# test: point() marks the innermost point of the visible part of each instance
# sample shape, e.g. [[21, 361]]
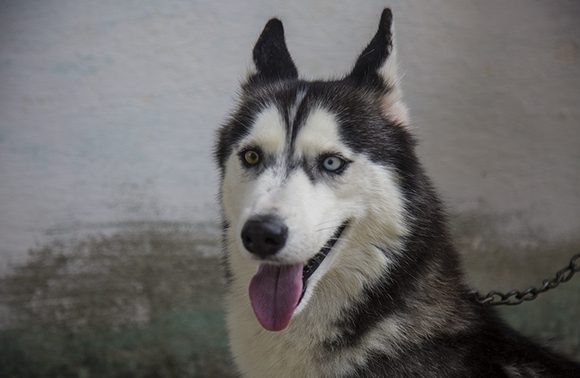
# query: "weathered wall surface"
[[108, 109]]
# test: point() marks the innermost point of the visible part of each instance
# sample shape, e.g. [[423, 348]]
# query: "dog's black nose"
[[264, 235]]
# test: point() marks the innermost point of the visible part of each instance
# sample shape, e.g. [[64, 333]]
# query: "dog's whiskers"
[[339, 220], [327, 228]]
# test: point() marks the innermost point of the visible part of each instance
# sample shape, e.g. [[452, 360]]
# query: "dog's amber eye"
[[252, 157]]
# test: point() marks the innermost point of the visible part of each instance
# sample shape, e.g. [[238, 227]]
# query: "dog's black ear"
[[376, 65], [376, 68], [271, 56]]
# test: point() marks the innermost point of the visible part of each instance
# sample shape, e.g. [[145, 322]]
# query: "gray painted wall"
[[108, 108]]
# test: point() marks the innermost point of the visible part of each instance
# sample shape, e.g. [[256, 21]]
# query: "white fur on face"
[[319, 135], [366, 194], [268, 132], [308, 209]]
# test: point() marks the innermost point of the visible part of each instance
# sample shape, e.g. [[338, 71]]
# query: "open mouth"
[[276, 290], [315, 262]]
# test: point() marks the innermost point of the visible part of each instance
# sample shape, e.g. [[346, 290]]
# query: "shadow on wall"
[[147, 302]]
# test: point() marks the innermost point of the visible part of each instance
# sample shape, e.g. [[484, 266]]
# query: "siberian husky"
[[338, 258]]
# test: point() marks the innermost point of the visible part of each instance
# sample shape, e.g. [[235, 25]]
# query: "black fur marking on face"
[[357, 111], [313, 168], [302, 112], [236, 128], [315, 261]]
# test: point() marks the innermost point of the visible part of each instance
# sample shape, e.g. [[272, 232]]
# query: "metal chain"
[[515, 297]]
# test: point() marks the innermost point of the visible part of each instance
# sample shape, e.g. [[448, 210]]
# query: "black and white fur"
[[389, 300]]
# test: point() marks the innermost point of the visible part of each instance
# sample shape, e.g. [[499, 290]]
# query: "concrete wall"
[[108, 108]]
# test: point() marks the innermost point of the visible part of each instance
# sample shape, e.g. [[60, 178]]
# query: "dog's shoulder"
[[488, 349]]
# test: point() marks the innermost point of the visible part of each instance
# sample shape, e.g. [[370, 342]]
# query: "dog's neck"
[[398, 302]]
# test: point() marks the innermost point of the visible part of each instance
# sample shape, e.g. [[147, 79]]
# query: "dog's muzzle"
[[276, 290]]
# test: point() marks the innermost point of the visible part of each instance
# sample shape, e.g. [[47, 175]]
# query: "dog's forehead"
[[296, 122], [273, 132], [319, 133], [300, 120], [269, 131]]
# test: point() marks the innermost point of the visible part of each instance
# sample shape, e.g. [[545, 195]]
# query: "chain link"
[[515, 297]]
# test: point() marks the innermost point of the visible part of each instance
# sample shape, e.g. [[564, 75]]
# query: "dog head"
[[313, 175]]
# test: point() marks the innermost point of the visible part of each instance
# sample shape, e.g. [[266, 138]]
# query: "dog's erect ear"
[[376, 67], [271, 56]]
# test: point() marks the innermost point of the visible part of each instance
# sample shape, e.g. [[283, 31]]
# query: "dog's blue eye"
[[333, 163]]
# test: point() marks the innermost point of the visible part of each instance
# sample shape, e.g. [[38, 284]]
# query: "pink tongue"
[[274, 293]]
